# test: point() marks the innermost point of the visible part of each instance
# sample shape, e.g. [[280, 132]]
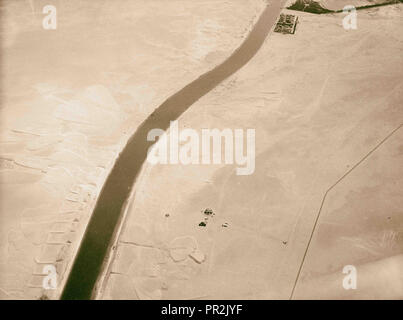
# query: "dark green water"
[[106, 216]]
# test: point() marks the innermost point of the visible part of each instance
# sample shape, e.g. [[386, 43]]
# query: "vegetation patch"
[[309, 6], [312, 6]]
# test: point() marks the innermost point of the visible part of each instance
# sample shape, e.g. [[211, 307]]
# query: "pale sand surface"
[[361, 224], [320, 101], [71, 97]]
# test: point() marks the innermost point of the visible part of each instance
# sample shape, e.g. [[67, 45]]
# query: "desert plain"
[[326, 193]]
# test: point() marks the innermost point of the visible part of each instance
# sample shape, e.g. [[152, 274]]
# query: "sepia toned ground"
[[326, 106], [326, 192], [71, 97]]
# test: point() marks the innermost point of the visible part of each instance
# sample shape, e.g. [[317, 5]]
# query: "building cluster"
[[287, 23]]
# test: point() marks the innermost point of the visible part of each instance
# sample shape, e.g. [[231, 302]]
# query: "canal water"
[[107, 213]]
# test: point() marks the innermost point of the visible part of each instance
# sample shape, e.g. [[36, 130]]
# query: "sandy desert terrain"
[[71, 97], [326, 192], [326, 106]]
